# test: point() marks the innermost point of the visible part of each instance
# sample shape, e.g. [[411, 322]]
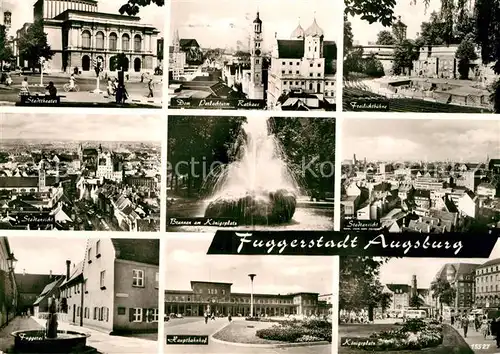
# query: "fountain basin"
[[254, 208], [35, 341]]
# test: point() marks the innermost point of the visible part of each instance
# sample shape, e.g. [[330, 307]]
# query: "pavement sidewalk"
[[477, 342], [107, 344]]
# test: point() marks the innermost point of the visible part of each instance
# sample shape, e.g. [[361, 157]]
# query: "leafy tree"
[[6, 53], [443, 292], [373, 67], [132, 7], [372, 10], [359, 285], [432, 32], [465, 53], [385, 301], [416, 301], [353, 61], [385, 38], [33, 44], [348, 35], [404, 55], [495, 96]]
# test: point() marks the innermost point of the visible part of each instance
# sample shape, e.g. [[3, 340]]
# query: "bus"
[[411, 314]]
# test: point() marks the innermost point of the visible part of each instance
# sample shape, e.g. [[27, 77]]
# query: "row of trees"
[[360, 287], [454, 24]]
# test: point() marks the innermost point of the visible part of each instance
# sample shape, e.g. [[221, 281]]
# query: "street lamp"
[[11, 262], [251, 294]]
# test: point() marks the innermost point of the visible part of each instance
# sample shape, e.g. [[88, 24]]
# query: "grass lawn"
[[453, 343], [244, 332]]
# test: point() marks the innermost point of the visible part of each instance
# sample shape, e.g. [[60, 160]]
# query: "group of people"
[[207, 315], [484, 325]]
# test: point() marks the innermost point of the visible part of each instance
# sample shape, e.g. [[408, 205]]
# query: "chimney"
[[50, 274], [68, 265]]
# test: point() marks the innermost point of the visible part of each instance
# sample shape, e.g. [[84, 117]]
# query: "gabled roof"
[[75, 273], [399, 288], [188, 42], [47, 290], [138, 250], [32, 283], [294, 49]]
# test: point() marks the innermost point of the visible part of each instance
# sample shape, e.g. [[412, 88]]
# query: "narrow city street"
[[197, 326]]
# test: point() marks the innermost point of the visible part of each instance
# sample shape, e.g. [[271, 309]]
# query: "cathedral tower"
[[256, 89]]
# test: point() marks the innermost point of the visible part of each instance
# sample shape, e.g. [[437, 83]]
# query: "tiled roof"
[[188, 42], [294, 49], [422, 193], [24, 182], [32, 283], [47, 290], [399, 288], [138, 250], [490, 263], [221, 90]]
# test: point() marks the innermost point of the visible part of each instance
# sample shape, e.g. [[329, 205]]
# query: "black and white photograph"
[[83, 53], [77, 295], [416, 175], [440, 305], [251, 173], [273, 55], [245, 304], [433, 56], [80, 172]]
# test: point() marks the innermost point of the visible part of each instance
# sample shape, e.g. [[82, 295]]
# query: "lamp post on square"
[[98, 64], [251, 293]]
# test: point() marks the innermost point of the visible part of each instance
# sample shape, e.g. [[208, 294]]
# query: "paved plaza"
[[137, 90], [197, 326]]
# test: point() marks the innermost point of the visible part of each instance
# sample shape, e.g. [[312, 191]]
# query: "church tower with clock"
[[256, 87]]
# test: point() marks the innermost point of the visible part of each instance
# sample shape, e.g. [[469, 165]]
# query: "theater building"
[[217, 298], [79, 34]]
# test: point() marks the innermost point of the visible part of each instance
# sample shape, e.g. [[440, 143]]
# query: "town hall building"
[[79, 35]]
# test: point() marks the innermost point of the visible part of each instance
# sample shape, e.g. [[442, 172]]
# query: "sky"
[[417, 140], [40, 255], [22, 12], [98, 127], [186, 260], [411, 14], [400, 270], [228, 20]]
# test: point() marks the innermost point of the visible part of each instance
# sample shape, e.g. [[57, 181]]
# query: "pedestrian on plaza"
[[213, 316], [465, 325], [452, 320], [485, 327], [229, 318], [124, 94], [206, 317], [142, 78], [8, 82], [25, 87], [52, 90], [150, 87], [110, 87]]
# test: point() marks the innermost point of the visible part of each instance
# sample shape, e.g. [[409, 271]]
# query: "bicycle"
[[75, 88]]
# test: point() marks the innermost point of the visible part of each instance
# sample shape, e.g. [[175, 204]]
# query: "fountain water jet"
[[49, 340], [257, 188]]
